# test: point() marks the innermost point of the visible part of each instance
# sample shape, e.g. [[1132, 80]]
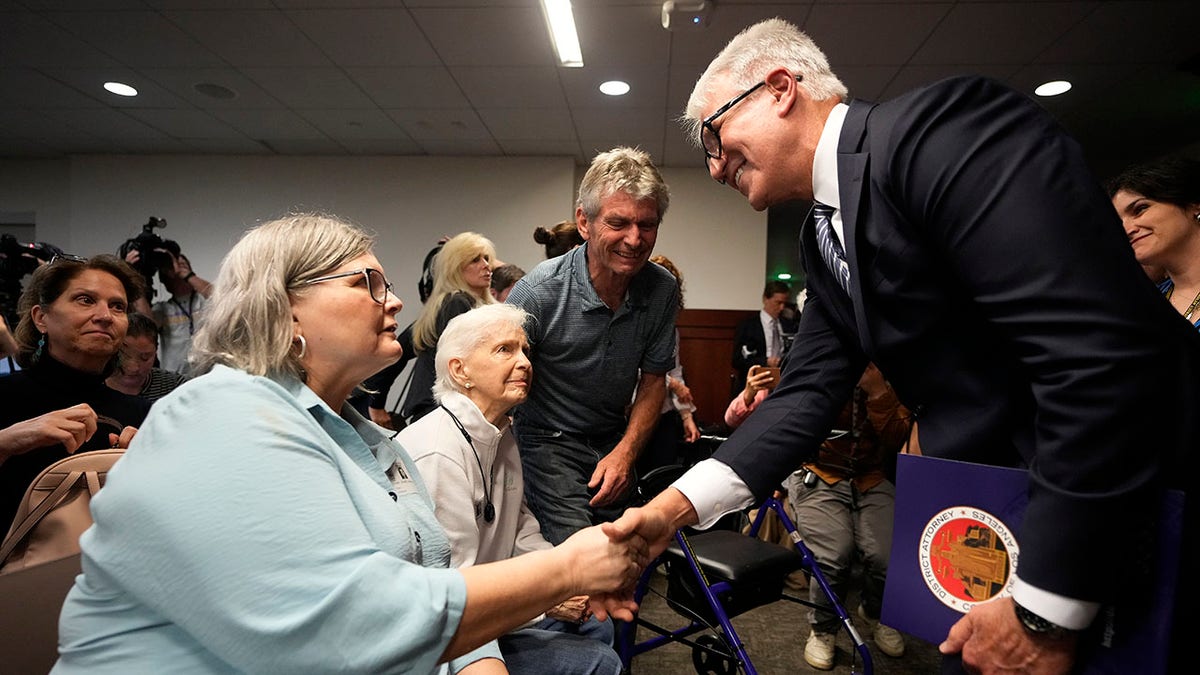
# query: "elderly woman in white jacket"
[[465, 451]]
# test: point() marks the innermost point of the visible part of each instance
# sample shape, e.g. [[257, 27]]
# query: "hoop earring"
[[37, 354], [303, 346], [1198, 216]]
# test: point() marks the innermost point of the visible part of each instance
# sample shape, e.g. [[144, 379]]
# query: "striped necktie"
[[831, 249]]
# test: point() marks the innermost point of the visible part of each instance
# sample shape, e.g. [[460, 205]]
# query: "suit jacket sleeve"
[[1027, 237], [789, 426]]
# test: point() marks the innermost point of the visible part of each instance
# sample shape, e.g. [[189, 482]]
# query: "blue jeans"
[[557, 468], [552, 647]]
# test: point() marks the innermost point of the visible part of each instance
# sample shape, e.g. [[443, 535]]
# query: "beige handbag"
[[56, 510]]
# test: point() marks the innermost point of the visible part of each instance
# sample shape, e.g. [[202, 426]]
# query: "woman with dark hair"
[[259, 524], [462, 280], [136, 373], [559, 239], [73, 321], [1159, 205]]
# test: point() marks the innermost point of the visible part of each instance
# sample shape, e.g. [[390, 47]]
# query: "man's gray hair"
[[622, 169], [247, 323], [753, 53], [467, 332]]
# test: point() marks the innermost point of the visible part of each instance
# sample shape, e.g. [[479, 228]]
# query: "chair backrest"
[[30, 601], [56, 510]]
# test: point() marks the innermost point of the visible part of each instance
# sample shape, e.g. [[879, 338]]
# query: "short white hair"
[[752, 54], [465, 333]]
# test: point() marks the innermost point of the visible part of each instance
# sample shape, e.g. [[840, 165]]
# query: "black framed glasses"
[[710, 140], [377, 284]]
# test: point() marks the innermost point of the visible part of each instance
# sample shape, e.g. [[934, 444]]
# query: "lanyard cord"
[[187, 312], [489, 509]]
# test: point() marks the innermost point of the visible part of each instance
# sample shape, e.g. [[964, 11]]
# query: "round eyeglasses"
[[377, 284]]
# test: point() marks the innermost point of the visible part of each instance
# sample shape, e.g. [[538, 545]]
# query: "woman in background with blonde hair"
[[462, 280]]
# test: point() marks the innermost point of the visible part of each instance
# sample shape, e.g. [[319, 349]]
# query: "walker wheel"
[[711, 656]]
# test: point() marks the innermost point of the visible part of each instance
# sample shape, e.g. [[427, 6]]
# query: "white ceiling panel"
[[310, 88], [511, 124], [459, 124], [269, 124], [251, 38], [185, 124], [488, 36], [480, 77], [182, 82], [360, 124], [367, 37], [431, 87], [138, 39], [512, 86]]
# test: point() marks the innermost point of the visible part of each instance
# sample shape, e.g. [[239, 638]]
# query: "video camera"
[[17, 260], [152, 251]]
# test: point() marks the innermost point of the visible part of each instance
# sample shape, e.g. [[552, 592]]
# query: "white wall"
[[91, 204]]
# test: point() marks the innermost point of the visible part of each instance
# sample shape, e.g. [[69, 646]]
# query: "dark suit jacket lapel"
[[852, 162]]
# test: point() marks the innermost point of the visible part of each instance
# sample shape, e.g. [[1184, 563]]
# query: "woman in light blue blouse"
[[259, 524]]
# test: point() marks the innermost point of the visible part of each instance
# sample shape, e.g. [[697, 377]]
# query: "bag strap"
[[60, 492]]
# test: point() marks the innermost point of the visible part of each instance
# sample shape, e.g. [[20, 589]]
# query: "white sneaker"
[[819, 650], [888, 639]]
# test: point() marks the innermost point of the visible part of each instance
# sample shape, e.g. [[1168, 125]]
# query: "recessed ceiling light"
[[615, 88], [561, 22], [120, 89], [1053, 88]]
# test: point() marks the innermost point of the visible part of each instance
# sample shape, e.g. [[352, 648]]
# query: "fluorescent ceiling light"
[[1053, 88], [614, 88], [561, 22], [120, 89]]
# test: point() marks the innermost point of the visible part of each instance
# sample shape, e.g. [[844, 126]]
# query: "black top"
[[46, 387], [419, 400], [380, 383]]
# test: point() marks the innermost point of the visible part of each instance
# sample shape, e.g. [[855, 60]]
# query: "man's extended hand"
[[992, 640], [613, 475]]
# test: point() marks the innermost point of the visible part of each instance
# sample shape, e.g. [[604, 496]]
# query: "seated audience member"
[[135, 373], [462, 280], [465, 452], [843, 505], [1159, 204], [760, 380], [504, 278], [305, 540], [759, 340], [559, 239], [73, 319], [676, 420]]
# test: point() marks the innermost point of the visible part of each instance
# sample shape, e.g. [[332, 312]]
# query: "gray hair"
[[622, 169], [465, 333], [752, 54], [247, 322]]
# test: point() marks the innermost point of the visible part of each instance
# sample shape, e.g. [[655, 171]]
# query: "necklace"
[[489, 509], [1191, 309]]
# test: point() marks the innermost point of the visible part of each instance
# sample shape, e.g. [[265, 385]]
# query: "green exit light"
[[784, 277]]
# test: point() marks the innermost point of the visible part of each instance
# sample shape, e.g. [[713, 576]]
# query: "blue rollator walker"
[[715, 575]]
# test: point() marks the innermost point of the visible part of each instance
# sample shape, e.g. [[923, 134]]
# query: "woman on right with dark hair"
[[1159, 204], [559, 239]]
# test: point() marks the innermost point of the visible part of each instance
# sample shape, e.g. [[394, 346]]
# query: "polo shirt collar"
[[638, 294]]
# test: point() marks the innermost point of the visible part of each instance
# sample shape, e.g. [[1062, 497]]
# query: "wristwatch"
[[1036, 625]]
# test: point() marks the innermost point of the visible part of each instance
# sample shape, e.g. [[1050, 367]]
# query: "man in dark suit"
[[961, 244], [762, 339]]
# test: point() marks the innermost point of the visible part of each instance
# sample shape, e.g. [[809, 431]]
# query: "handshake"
[[611, 557]]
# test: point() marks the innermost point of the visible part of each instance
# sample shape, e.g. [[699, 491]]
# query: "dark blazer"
[[994, 287]]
